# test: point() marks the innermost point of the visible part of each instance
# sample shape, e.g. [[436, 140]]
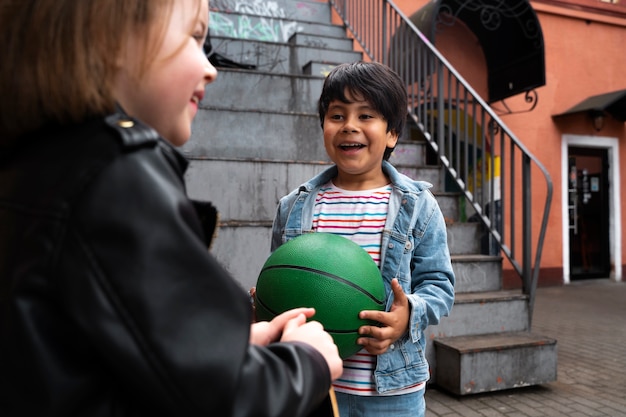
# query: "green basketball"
[[325, 271]]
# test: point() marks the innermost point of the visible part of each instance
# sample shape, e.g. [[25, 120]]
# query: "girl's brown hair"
[[60, 57]]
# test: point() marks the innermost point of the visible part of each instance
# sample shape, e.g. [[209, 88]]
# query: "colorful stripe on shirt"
[[357, 215]]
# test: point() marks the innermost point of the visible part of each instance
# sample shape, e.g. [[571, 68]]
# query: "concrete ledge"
[[475, 364]]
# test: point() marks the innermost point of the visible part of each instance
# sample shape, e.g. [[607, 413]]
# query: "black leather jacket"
[[110, 304]]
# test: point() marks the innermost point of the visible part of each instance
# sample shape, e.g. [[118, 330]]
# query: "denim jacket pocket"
[[398, 259], [402, 365]]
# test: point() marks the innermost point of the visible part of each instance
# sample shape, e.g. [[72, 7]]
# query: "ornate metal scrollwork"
[[531, 97], [492, 14]]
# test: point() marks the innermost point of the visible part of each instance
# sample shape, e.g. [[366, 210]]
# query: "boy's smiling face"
[[355, 138]]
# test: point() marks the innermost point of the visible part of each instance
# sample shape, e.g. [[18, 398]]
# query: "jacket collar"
[[134, 133], [397, 179]]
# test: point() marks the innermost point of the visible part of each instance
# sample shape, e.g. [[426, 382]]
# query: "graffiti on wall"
[[271, 23], [252, 27], [259, 19], [265, 56], [265, 8], [254, 7]]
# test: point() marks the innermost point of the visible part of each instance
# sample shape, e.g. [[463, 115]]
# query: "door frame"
[[615, 225]]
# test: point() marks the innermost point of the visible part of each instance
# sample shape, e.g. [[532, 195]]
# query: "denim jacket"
[[414, 250]]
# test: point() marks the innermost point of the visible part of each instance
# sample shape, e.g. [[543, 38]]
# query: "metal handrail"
[[483, 159]]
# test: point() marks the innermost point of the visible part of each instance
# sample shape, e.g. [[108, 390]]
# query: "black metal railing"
[[483, 158]]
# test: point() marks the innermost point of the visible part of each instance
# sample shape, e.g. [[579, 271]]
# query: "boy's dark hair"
[[374, 82]]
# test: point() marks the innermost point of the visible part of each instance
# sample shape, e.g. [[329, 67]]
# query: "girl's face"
[[167, 95], [355, 138]]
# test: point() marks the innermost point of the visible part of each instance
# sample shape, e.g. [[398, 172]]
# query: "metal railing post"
[[526, 220]]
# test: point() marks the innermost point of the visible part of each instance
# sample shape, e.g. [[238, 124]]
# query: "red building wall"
[[585, 55]]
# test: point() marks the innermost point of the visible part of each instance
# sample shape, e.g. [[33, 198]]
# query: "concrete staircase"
[[258, 136]]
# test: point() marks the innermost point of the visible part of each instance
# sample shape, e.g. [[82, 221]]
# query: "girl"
[[109, 301]]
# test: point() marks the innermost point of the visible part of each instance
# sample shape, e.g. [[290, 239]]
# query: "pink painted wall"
[[585, 55]]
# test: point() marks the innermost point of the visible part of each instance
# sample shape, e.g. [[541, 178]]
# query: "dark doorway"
[[589, 213]]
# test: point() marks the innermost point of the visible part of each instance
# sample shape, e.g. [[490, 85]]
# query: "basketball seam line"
[[317, 271], [336, 331]]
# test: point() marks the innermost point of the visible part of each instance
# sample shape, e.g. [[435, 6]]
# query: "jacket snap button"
[[126, 124], [407, 245]]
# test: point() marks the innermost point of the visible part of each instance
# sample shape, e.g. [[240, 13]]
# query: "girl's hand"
[[265, 332], [312, 333], [292, 326], [394, 323]]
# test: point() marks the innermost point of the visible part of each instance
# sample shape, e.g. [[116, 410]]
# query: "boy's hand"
[[394, 323], [252, 295]]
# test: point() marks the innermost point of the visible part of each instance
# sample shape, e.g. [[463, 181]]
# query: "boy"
[[362, 111]]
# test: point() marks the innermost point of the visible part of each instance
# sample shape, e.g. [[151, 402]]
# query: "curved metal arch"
[[509, 33]]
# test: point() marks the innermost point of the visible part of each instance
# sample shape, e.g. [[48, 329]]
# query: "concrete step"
[[449, 205], [251, 90], [244, 134], [278, 57], [242, 250], [422, 173], [477, 273], [409, 153], [316, 40], [484, 363], [464, 238], [239, 231], [247, 222], [262, 182], [476, 314], [499, 311], [274, 133], [318, 68], [251, 223]]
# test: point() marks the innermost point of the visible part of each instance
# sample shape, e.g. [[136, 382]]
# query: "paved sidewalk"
[[588, 319]]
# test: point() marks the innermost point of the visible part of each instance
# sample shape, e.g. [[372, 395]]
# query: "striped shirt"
[[359, 216]]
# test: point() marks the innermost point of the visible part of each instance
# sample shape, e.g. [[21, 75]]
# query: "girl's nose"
[[210, 72]]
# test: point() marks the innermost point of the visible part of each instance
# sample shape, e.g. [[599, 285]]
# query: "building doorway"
[[588, 197]]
